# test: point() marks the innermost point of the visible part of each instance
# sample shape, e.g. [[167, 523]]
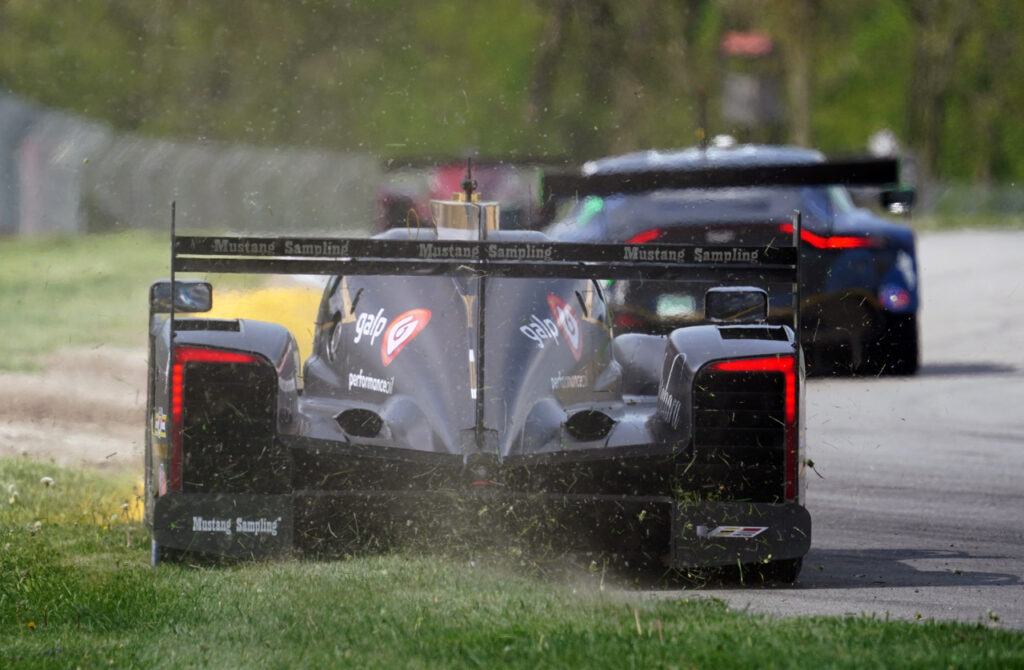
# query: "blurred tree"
[[940, 27], [572, 78]]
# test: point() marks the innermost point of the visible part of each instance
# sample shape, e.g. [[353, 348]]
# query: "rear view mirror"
[[190, 295], [898, 201], [736, 304]]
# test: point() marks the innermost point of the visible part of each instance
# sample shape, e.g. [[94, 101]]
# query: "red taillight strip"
[[787, 366], [837, 242], [183, 355], [645, 236]]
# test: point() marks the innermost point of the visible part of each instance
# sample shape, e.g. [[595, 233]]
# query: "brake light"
[[836, 242], [645, 236], [786, 365], [628, 321], [182, 356]]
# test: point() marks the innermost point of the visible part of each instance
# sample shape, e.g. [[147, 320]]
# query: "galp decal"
[[567, 323], [370, 325], [401, 331]]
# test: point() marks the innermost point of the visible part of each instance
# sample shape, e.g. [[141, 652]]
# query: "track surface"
[[919, 510]]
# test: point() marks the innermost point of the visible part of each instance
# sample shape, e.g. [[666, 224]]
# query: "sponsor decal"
[[733, 255], [370, 326], [643, 253], [401, 331], [204, 525], [742, 532], [519, 252], [567, 322], [638, 252], [159, 423], [669, 407], [321, 248], [568, 382], [445, 251], [496, 252], [261, 526], [228, 246], [539, 330], [358, 380]]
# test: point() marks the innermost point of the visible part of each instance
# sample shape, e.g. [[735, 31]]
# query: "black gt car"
[[467, 383], [859, 283]]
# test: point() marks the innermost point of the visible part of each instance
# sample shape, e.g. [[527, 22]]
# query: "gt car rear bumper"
[[660, 529]]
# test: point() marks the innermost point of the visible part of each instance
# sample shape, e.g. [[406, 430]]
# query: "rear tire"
[[897, 350], [780, 572]]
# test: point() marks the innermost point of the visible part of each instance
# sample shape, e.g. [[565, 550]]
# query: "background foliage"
[[528, 78]]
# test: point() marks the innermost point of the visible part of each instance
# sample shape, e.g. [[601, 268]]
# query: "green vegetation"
[[76, 590], [85, 291], [541, 78], [81, 291]]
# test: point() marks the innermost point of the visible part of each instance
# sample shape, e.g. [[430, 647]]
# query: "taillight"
[[183, 356], [785, 365], [628, 322], [835, 242], [645, 236]]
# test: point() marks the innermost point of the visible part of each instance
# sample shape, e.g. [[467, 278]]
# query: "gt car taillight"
[[785, 365], [182, 357], [628, 321], [834, 242], [645, 236]]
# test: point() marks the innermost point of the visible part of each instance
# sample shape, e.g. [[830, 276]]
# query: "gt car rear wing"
[[852, 172]]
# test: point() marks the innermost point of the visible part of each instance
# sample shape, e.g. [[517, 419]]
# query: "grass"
[[91, 291], [88, 291], [76, 590]]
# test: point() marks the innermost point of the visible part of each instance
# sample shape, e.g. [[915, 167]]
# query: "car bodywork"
[[469, 378], [859, 283]]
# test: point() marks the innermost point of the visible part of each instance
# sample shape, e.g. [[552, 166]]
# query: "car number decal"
[[401, 331]]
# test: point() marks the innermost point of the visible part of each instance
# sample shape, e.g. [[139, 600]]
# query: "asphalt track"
[[918, 512]]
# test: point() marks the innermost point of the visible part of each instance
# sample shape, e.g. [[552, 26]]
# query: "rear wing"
[[564, 260], [712, 265], [851, 172]]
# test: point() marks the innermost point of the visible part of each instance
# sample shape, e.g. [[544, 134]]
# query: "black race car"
[[859, 284], [467, 384]]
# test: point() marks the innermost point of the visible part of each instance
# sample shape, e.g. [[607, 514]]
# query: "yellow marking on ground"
[[294, 307]]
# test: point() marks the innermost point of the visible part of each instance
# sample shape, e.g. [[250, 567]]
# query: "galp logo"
[[401, 331], [567, 323]]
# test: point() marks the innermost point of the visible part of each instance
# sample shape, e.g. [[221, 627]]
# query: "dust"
[[85, 408]]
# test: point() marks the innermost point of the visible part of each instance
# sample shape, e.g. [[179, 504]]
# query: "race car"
[[859, 283], [466, 384]]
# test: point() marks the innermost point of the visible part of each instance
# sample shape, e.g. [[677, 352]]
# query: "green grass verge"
[[76, 590], [86, 291]]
